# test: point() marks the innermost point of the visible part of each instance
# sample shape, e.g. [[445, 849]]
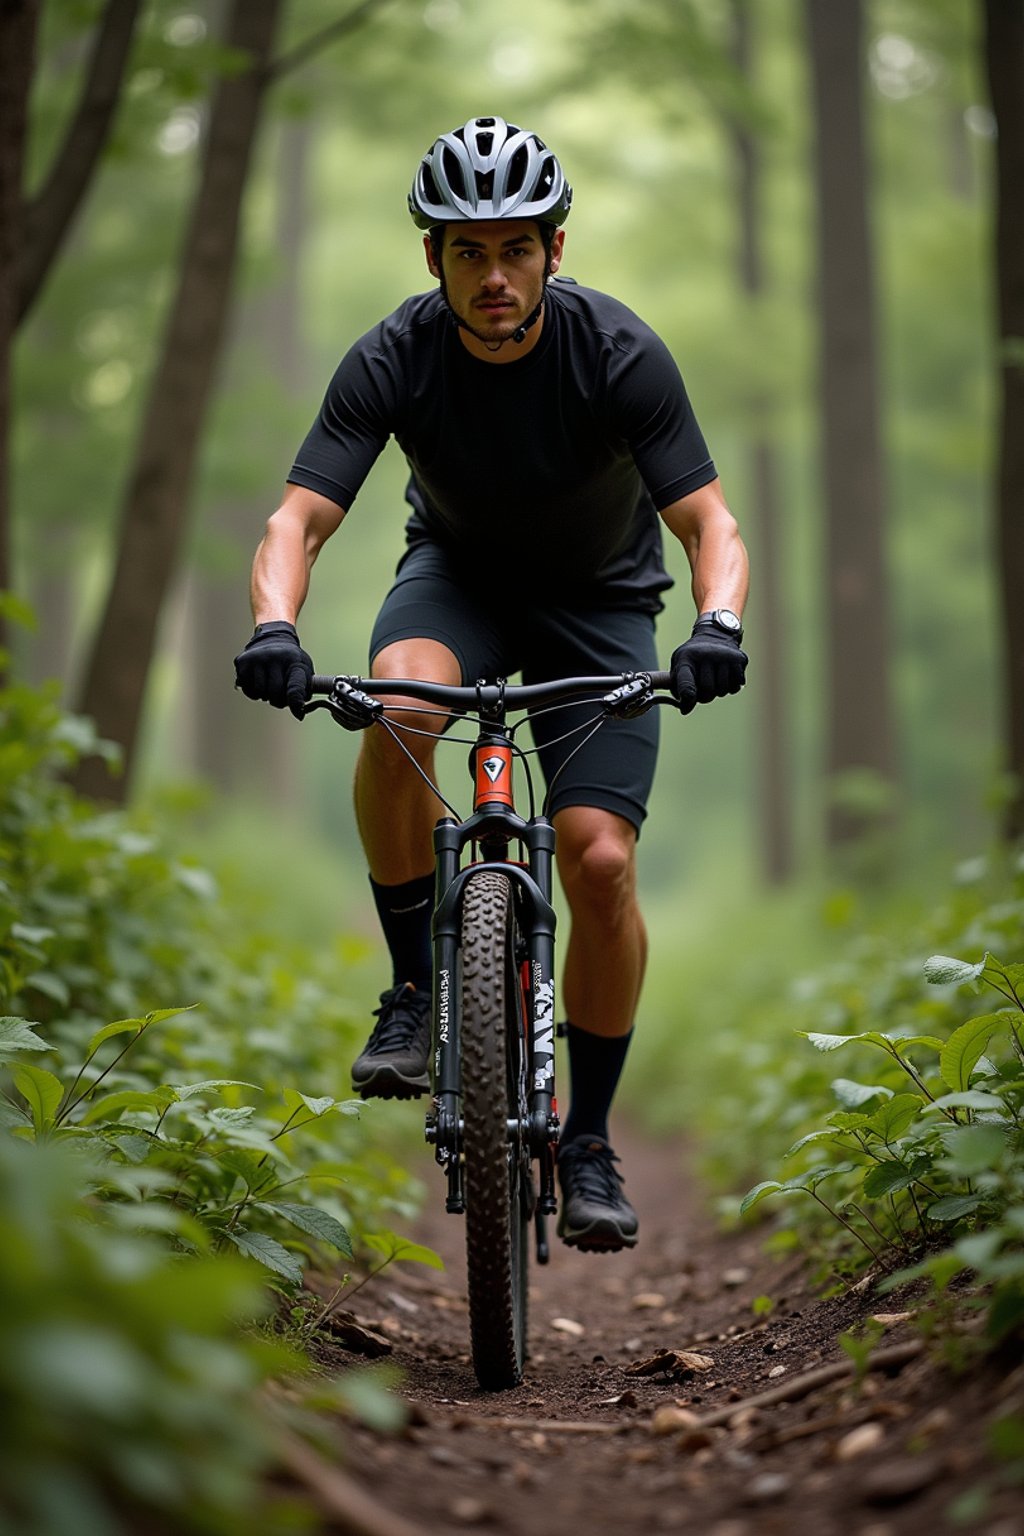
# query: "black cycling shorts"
[[498, 637]]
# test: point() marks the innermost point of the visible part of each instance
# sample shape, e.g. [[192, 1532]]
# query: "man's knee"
[[596, 856], [426, 661]]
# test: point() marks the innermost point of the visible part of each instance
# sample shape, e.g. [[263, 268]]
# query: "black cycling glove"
[[707, 666], [273, 666]]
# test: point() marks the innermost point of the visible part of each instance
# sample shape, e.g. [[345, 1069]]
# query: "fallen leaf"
[[353, 1336], [890, 1319], [668, 1419], [469, 1511], [859, 1442], [568, 1325], [625, 1399], [648, 1300], [670, 1360]]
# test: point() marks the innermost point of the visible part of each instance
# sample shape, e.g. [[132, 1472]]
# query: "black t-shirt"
[[550, 469]]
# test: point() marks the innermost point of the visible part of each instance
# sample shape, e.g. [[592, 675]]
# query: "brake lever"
[[349, 707], [631, 699]]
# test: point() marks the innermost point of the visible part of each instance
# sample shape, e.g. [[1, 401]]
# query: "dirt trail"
[[576, 1446]]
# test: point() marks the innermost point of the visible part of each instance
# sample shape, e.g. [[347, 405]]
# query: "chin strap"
[[518, 335]]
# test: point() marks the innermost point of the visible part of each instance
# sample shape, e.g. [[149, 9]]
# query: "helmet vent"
[[485, 143], [453, 172]]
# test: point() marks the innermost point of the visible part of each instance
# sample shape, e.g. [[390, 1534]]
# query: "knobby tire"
[[496, 1168]]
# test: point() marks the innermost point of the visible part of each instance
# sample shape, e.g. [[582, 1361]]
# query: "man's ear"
[[428, 248], [557, 243]]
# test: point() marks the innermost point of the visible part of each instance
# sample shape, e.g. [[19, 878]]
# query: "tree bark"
[[775, 819], [48, 216], [1004, 59], [18, 25], [154, 514], [860, 736]]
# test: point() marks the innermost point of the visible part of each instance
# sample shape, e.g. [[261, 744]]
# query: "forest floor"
[[588, 1442]]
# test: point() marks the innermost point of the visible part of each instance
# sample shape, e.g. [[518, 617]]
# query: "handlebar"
[[485, 698]]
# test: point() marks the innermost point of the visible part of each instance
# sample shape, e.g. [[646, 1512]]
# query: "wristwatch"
[[724, 619]]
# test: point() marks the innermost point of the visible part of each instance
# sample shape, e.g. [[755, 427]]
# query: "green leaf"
[[972, 1098], [189, 1091], [809, 1139], [973, 1149], [317, 1107], [759, 1192], [119, 1027], [953, 1207], [42, 1092], [885, 1178], [892, 1119], [827, 1042], [317, 1223], [400, 1250], [268, 1252], [848, 1120], [19, 1035], [942, 970], [113, 1105], [229, 1118], [962, 1051], [158, 1015], [852, 1095]]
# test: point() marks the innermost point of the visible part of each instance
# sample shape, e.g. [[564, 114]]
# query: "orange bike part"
[[494, 777]]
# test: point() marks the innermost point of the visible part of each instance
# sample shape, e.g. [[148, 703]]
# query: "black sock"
[[595, 1066], [405, 912]]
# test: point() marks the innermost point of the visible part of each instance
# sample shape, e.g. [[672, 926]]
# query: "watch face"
[[728, 620]]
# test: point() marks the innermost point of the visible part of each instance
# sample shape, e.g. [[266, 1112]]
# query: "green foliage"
[[127, 1381], [163, 1174], [924, 1155]]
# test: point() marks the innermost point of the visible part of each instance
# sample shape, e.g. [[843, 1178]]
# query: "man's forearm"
[[280, 575], [295, 535], [720, 568]]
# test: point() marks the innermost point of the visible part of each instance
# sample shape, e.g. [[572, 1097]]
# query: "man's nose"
[[494, 277]]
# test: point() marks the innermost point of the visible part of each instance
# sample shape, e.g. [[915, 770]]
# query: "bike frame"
[[486, 836]]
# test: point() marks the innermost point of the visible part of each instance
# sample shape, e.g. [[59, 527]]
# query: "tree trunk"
[[773, 755], [267, 337], [860, 751], [18, 23], [154, 514], [48, 216], [1004, 57]]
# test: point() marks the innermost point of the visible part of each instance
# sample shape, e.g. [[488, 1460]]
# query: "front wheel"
[[494, 1136]]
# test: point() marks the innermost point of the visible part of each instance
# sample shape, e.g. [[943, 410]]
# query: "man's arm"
[[273, 666], [295, 535], [710, 536], [710, 664]]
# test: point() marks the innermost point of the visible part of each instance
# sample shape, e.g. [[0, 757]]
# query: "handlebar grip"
[[322, 684]]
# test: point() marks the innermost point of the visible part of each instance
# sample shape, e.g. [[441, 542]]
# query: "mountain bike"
[[493, 1118]]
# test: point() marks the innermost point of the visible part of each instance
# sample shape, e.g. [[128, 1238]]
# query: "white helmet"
[[489, 169]]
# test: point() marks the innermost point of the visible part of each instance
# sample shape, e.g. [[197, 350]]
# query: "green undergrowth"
[[874, 1101], [174, 1159]]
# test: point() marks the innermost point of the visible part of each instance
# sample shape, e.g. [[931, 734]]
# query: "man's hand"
[[707, 666], [273, 666]]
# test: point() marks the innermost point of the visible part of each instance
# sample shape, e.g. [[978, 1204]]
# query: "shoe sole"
[[598, 1239], [386, 1083]]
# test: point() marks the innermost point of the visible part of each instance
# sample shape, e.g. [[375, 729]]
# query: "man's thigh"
[[613, 769], [431, 599]]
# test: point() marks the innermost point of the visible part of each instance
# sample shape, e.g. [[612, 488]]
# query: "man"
[[545, 427]]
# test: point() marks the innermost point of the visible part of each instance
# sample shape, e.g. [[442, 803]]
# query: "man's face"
[[494, 273]]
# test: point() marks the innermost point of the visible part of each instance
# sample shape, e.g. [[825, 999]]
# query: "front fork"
[[533, 886]]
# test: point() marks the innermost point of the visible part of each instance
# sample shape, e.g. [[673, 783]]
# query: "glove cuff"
[[275, 627]]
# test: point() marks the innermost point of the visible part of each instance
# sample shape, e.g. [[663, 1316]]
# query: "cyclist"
[[545, 427]]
